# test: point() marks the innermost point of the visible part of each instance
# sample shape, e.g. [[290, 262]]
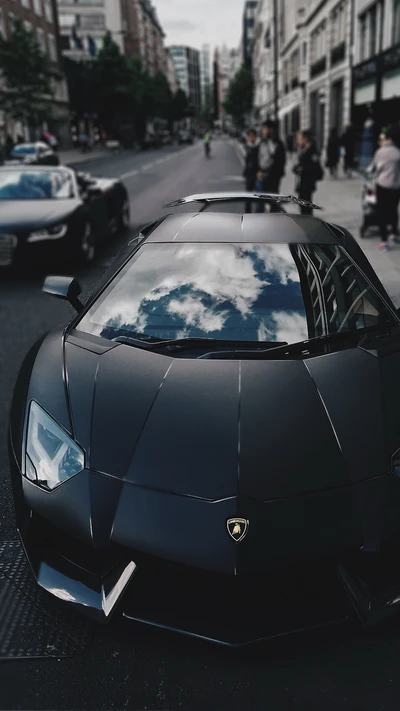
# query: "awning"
[[289, 109]]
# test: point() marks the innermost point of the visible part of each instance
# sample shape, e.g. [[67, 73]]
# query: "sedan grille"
[[7, 246]]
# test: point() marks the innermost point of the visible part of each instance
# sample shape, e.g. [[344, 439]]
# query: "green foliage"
[[27, 73], [121, 92], [240, 95]]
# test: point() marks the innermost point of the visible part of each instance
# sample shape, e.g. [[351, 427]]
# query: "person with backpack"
[[308, 169]]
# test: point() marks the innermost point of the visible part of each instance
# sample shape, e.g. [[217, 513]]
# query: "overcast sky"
[[197, 22]]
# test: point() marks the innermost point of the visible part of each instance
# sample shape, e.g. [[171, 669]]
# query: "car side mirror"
[[92, 191], [66, 288]]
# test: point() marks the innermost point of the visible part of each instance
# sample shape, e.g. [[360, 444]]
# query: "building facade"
[[143, 34], [263, 62], [248, 22], [205, 81], [40, 18], [83, 25], [376, 69], [171, 72], [187, 66]]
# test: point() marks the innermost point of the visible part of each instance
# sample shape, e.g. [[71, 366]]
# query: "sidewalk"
[[75, 155], [341, 203]]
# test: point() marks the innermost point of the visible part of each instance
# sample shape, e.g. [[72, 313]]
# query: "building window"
[[339, 24], [41, 40], [396, 22], [318, 43], [52, 48], [26, 3], [363, 37], [37, 5], [304, 53], [48, 11], [92, 22], [372, 31], [2, 25]]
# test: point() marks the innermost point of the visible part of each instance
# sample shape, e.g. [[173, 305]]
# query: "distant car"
[[166, 138], [53, 213], [38, 153], [150, 140], [213, 444], [185, 137]]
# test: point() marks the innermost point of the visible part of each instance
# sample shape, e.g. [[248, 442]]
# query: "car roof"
[[269, 228]]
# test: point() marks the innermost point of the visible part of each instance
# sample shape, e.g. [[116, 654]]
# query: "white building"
[[205, 79], [171, 73], [263, 62], [326, 47], [376, 69], [87, 19]]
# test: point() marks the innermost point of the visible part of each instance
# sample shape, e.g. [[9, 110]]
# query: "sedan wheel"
[[88, 245], [125, 217]]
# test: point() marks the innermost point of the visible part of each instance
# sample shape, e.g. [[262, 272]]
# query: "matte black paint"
[[176, 446]]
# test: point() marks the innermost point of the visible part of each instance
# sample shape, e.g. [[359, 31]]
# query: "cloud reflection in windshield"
[[225, 291]]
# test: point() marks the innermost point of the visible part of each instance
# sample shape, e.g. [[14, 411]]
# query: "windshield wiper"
[[194, 342]]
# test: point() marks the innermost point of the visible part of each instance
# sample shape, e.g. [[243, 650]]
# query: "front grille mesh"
[[7, 247]]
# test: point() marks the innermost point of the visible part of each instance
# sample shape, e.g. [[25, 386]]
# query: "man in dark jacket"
[[271, 160], [347, 142], [251, 164], [307, 169]]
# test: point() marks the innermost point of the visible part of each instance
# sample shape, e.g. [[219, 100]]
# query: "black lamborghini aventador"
[[55, 213], [212, 444]]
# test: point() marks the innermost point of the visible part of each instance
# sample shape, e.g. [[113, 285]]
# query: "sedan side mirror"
[[63, 287]]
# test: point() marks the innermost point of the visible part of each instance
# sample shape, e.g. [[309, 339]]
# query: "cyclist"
[[207, 143]]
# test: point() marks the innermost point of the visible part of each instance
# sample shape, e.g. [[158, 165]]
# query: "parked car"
[[54, 213], [150, 140], [212, 444], [185, 137], [166, 138], [32, 154]]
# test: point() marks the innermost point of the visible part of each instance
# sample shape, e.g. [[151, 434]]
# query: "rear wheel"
[[125, 216], [86, 247]]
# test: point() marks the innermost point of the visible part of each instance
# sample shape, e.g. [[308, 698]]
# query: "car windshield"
[[240, 292], [35, 185], [25, 149]]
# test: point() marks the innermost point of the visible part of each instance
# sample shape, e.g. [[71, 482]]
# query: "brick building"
[[143, 35], [40, 18]]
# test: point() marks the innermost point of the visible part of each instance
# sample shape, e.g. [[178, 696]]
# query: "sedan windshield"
[[35, 185], [236, 292], [25, 149]]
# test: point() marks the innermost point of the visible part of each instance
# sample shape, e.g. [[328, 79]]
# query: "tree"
[[180, 106], [111, 85], [27, 92], [239, 99]]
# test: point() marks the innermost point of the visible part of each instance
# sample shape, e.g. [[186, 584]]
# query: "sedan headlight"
[[54, 232], [52, 457]]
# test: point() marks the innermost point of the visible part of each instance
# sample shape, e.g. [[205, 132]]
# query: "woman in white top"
[[386, 168]]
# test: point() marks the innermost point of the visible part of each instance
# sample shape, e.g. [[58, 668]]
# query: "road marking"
[[136, 171], [128, 175]]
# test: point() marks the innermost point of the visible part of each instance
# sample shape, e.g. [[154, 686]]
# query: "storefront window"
[[372, 31], [396, 22], [363, 37]]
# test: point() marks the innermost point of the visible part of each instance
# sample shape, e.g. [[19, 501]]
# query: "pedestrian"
[[9, 145], [385, 167], [290, 144], [308, 169], [347, 142], [333, 152], [271, 161], [251, 164]]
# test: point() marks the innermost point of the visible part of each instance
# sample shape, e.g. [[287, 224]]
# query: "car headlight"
[[52, 457], [54, 232]]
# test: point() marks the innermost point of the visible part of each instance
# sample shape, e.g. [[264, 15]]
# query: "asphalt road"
[[135, 667]]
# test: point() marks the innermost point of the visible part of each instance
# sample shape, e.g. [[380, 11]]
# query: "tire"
[[124, 220], [86, 247]]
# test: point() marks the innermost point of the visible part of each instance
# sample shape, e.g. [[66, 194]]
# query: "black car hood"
[[30, 214], [212, 429]]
